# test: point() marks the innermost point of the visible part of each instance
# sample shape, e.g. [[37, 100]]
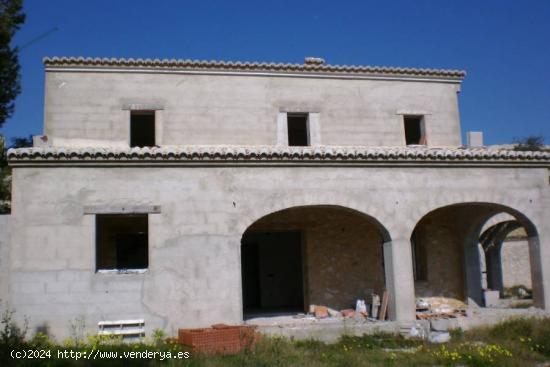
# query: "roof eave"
[[173, 65]]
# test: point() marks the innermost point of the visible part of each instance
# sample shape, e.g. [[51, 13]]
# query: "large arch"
[[449, 236], [506, 256], [341, 259]]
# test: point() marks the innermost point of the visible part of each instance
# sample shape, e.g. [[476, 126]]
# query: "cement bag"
[[360, 306]]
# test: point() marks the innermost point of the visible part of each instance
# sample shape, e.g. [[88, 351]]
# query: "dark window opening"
[[297, 129], [122, 241], [272, 274], [142, 129], [420, 258], [414, 130]]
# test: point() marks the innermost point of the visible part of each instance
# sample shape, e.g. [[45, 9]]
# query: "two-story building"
[[185, 193]]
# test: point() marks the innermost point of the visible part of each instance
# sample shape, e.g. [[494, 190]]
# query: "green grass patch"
[[521, 342]]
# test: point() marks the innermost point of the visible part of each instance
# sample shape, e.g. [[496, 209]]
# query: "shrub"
[[529, 143]]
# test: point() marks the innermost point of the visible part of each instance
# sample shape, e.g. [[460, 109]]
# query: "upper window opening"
[[142, 128], [122, 241], [298, 134], [414, 130]]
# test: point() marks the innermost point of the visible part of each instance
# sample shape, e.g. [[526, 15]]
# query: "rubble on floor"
[[331, 329], [323, 312], [371, 309], [430, 308]]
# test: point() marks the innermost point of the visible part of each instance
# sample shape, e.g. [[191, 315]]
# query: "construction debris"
[[321, 312], [422, 304], [363, 309], [219, 339], [491, 298], [375, 305], [384, 307], [439, 337], [360, 306], [348, 313], [334, 313], [440, 315], [435, 302], [430, 308]]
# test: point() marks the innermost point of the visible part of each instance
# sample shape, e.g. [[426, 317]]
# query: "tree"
[[11, 19], [529, 143], [5, 179], [21, 142], [5, 170]]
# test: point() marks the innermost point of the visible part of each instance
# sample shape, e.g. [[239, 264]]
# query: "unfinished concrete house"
[[179, 193]]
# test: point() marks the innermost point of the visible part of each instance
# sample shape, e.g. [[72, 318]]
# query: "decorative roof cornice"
[[276, 155], [307, 68]]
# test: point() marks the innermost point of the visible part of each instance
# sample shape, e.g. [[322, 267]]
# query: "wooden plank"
[[384, 307]]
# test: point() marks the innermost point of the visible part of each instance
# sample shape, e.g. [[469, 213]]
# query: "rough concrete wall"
[[516, 267], [343, 254], [194, 276], [5, 234], [88, 109], [445, 257]]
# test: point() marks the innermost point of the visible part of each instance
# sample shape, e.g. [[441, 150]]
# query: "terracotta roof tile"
[[278, 154], [307, 67]]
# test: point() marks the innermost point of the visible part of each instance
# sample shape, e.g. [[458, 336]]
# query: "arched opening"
[[505, 263], [311, 255], [446, 251]]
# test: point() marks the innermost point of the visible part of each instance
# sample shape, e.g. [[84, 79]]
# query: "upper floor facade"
[[125, 102]]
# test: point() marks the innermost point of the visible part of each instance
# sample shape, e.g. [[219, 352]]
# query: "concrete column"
[[472, 271], [400, 280], [494, 269], [540, 272]]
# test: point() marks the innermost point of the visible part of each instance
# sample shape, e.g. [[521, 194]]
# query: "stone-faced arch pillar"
[[458, 226]]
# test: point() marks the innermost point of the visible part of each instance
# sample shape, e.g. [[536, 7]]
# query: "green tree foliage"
[[529, 143], [21, 142], [5, 170], [5, 179], [11, 19]]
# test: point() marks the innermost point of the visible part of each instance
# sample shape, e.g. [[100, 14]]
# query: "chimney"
[[314, 61], [475, 139]]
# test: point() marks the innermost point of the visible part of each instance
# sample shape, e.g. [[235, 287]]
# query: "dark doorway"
[[272, 272]]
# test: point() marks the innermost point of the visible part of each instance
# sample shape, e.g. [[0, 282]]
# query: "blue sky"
[[504, 45]]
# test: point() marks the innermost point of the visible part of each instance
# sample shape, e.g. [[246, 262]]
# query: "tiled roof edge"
[[249, 66], [275, 153]]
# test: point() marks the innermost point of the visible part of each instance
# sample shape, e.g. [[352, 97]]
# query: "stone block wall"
[[205, 110], [516, 268], [343, 259], [444, 257]]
